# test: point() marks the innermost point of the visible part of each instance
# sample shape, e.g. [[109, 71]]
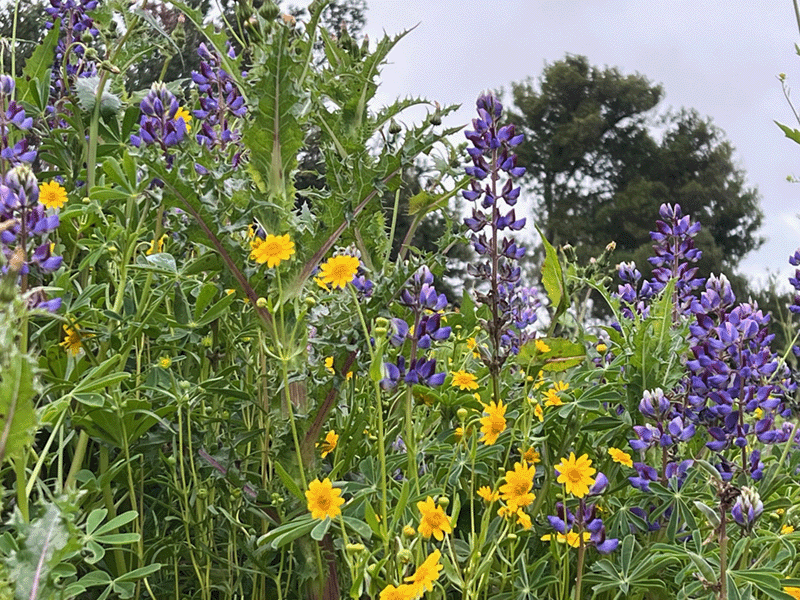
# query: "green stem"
[[20, 464], [77, 460], [381, 428]]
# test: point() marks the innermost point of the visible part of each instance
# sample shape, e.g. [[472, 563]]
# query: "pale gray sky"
[[719, 57]]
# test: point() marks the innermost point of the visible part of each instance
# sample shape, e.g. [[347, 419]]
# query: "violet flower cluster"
[[221, 104], [734, 373], [26, 225], [77, 30], [425, 304], [159, 124], [586, 518], [794, 260], [492, 162], [12, 119], [675, 252]]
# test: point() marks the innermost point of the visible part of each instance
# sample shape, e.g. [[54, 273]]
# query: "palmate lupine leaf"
[[275, 136]]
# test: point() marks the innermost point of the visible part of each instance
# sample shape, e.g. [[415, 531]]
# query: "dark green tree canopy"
[[601, 160]]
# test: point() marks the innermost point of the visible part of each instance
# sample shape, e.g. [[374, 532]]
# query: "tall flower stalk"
[[493, 170]]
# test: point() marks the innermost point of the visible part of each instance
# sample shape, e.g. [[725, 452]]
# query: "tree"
[[599, 170]]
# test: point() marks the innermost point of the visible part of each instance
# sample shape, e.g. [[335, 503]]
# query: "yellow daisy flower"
[[487, 494], [537, 410], [329, 364], [576, 474], [560, 386], [494, 423], [551, 398], [323, 499], [52, 195], [472, 344], [516, 492], [541, 346], [403, 592], [620, 457], [571, 537], [184, 114], [273, 250], [786, 529], [464, 380], [165, 362], [530, 455], [338, 271], [73, 340], [422, 579], [434, 520], [329, 445]]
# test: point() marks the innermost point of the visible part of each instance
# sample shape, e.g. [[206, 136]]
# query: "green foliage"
[[185, 397]]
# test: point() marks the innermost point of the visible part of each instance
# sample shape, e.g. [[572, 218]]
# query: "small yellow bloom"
[[786, 529], [794, 592], [428, 572], [601, 348], [571, 537], [73, 340], [329, 445], [273, 250], [541, 346], [184, 114], [530, 455], [494, 423], [403, 592], [165, 362], [551, 398], [524, 519], [487, 494], [329, 364], [338, 271], [323, 499], [472, 344], [576, 474], [434, 520], [516, 492], [537, 410], [52, 195], [464, 380], [759, 412], [560, 386], [620, 457], [157, 246], [409, 531]]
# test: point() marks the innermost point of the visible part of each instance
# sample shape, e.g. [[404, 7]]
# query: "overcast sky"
[[719, 57]]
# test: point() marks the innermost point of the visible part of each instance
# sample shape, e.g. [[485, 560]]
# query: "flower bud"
[[404, 556], [409, 531], [462, 414], [443, 501], [354, 548], [261, 302]]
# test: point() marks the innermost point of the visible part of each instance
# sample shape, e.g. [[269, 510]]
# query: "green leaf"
[[285, 534], [321, 529], [792, 134], [290, 483], [553, 276], [17, 416], [37, 67], [86, 91], [561, 355], [275, 135]]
